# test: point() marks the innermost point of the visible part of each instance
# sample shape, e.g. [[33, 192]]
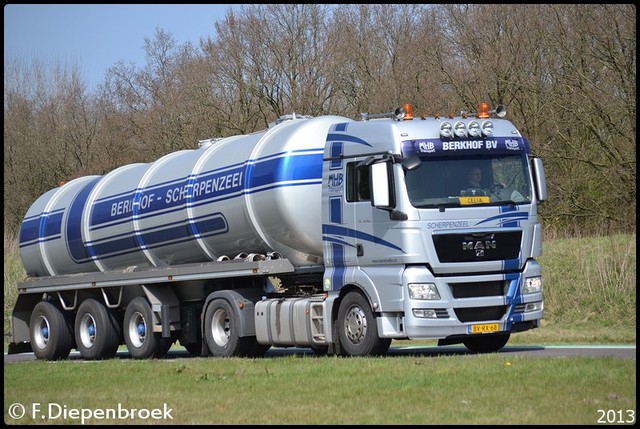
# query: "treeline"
[[566, 73]]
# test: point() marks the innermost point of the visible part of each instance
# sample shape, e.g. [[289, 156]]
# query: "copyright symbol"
[[17, 411]]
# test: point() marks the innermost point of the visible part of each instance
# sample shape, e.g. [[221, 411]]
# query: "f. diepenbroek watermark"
[[52, 411]]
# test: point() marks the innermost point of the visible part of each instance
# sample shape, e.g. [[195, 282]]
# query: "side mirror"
[[539, 179], [381, 186], [411, 163]]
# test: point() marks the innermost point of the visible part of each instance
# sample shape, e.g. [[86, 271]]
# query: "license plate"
[[483, 329]]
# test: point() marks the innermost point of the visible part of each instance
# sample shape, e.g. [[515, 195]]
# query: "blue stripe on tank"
[[41, 228], [73, 227]]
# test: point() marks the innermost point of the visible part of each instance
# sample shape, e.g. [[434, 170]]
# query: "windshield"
[[471, 180]]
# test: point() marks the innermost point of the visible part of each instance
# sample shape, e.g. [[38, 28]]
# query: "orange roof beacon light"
[[483, 111], [408, 112]]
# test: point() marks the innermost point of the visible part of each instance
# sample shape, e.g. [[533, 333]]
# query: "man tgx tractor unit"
[[329, 233]]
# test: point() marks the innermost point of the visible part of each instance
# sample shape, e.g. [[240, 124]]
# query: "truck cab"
[[434, 256]]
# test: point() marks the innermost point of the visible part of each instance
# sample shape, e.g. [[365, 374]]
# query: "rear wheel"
[[141, 341], [357, 328], [50, 332], [221, 331], [95, 333], [487, 343]]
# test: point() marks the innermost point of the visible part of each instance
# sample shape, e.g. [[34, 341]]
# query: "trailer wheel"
[[487, 343], [50, 332], [96, 335], [221, 331], [139, 337], [357, 330]]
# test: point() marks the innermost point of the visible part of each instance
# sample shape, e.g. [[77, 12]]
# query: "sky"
[[95, 37]]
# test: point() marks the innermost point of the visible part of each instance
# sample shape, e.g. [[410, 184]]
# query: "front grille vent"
[[478, 290], [480, 314]]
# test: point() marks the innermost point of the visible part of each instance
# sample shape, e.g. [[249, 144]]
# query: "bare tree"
[[271, 59], [567, 74], [592, 160], [50, 127]]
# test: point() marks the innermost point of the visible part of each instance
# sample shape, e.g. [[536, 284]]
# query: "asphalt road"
[[622, 351]]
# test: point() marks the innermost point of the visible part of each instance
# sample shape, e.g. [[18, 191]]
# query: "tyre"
[[95, 333], [50, 332], [141, 341], [357, 328], [221, 331], [487, 343]]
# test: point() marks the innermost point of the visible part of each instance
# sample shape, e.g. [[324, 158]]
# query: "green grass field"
[[590, 297], [482, 389]]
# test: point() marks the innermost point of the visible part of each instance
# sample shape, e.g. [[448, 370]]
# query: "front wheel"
[[357, 328], [487, 343]]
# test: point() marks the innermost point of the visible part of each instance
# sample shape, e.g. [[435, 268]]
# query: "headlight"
[[487, 128], [423, 291], [445, 130], [532, 285], [460, 129], [474, 129]]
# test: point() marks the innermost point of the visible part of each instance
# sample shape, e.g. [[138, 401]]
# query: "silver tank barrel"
[[255, 193]]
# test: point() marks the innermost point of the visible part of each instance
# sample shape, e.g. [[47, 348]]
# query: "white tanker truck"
[[327, 233]]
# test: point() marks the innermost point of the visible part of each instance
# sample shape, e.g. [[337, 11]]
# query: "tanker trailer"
[[307, 234]]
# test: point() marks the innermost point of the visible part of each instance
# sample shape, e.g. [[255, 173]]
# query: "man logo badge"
[[479, 246]]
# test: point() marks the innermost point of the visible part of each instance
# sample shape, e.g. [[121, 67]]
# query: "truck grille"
[[472, 247]]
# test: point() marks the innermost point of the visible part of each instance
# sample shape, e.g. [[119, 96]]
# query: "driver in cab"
[[498, 191]]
